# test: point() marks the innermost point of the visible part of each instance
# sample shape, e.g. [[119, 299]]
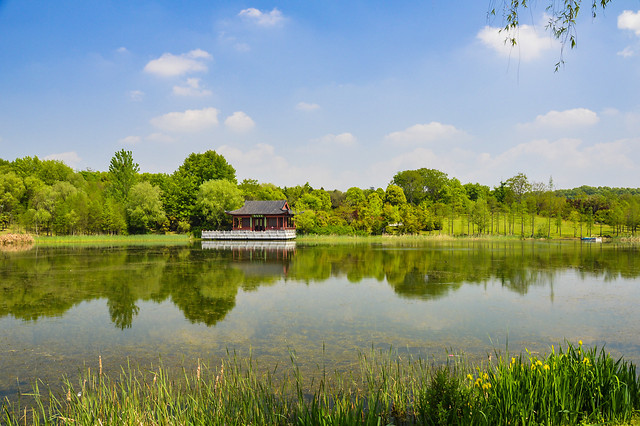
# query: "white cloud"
[[169, 65], [530, 45], [626, 52], [160, 137], [571, 118], [571, 162], [136, 95], [71, 159], [130, 140], [628, 20], [263, 163], [226, 39], [239, 122], [425, 133], [264, 19], [122, 50], [192, 120], [191, 88], [304, 106], [342, 140]]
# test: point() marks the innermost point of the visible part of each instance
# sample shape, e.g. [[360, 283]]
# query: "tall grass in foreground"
[[564, 387]]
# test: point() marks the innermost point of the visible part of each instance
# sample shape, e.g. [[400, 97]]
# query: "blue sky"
[[334, 93]]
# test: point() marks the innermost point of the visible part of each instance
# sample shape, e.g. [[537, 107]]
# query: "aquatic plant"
[[571, 386]]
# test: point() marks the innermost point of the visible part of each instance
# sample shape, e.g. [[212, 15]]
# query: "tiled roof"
[[262, 207]]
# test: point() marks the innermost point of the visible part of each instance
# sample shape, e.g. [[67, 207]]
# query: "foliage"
[[123, 171], [252, 190], [47, 197], [578, 386], [215, 197], [562, 19], [144, 208], [183, 186]]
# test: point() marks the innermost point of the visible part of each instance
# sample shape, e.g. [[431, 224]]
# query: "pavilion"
[[262, 216], [269, 220]]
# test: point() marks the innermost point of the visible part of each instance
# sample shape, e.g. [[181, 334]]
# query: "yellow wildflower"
[[470, 376], [546, 367], [580, 342]]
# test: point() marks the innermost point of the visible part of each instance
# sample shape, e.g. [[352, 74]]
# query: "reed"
[[572, 386], [15, 239]]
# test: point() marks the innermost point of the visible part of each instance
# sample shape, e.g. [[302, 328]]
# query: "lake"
[[63, 307]]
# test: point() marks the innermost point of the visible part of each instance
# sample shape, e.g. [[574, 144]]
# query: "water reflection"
[[203, 282]]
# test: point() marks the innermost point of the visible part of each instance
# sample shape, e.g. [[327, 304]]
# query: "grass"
[[571, 386], [112, 239]]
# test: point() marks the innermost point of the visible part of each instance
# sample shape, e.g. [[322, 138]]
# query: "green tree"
[[412, 185], [113, 217], [11, 191], [252, 190], [422, 183], [394, 195], [144, 208], [316, 200], [217, 196], [123, 173], [207, 166], [182, 188]]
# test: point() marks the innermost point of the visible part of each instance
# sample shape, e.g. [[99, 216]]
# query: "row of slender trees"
[[48, 197]]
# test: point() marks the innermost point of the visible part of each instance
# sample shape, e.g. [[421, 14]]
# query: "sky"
[[331, 92]]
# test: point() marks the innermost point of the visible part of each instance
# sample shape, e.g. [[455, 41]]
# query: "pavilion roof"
[[262, 207]]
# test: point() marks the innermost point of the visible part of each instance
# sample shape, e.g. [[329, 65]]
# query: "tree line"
[[49, 197]]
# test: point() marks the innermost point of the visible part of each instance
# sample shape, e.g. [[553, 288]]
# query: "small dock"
[[271, 234]]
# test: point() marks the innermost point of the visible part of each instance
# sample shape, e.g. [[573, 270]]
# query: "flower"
[[580, 342], [546, 367], [470, 376]]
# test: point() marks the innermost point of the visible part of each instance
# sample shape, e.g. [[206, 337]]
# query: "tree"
[[411, 183], [123, 172], [183, 186], [316, 200], [217, 196], [207, 166], [144, 208], [11, 191], [561, 19], [519, 186], [422, 183], [395, 196]]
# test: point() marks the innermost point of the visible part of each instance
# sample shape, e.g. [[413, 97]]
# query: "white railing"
[[273, 234]]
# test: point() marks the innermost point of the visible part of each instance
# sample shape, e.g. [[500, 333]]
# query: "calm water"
[[61, 308]]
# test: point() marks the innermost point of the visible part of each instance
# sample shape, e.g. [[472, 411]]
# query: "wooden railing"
[[274, 234]]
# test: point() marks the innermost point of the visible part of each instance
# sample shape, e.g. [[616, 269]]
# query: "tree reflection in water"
[[204, 283]]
